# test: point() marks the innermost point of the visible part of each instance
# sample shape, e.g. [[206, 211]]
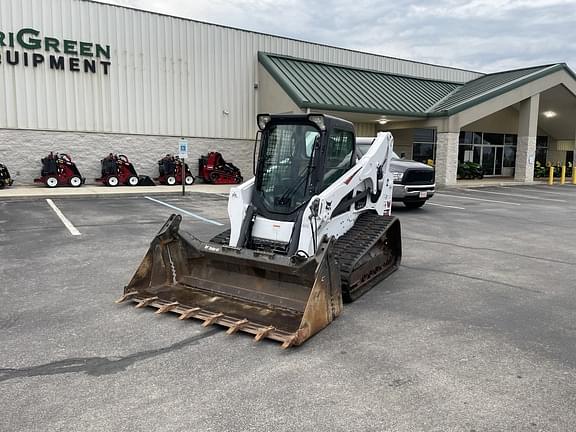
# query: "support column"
[[527, 131], [446, 163]]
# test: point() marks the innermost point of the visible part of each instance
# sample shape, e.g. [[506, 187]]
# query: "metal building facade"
[[167, 76]]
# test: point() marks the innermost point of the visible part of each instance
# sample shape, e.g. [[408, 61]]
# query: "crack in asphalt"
[[98, 366], [552, 260], [425, 269]]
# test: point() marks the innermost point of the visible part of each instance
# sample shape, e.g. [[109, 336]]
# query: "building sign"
[[29, 48]]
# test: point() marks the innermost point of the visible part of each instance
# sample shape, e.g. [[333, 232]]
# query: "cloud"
[[484, 35]]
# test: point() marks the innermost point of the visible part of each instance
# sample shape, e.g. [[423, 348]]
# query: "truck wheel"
[[171, 180], [414, 204], [133, 181], [51, 182], [75, 181], [112, 181]]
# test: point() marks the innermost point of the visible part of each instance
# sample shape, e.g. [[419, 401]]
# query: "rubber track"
[[356, 243]]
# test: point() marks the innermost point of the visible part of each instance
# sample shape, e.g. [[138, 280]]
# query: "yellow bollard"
[[551, 176], [563, 175]]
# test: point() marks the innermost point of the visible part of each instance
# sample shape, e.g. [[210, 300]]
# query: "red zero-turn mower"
[[118, 170], [5, 179], [214, 169], [59, 170], [170, 168]]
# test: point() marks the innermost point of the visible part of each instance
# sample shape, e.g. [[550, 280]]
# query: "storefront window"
[[424, 145], [542, 149]]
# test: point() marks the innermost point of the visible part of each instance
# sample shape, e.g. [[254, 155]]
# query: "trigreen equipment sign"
[[79, 56]]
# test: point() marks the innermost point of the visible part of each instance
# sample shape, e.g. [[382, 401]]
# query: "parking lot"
[[475, 332]]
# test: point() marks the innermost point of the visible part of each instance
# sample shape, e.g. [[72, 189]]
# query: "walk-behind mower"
[[5, 179], [118, 170], [59, 170], [170, 168], [214, 169]]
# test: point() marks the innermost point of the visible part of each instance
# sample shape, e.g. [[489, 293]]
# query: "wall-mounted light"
[[382, 121], [549, 114], [225, 112]]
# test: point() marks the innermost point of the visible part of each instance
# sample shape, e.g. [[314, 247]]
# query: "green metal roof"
[[331, 87], [325, 86], [489, 86]]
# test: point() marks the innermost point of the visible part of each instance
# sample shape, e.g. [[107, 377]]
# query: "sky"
[[480, 35]]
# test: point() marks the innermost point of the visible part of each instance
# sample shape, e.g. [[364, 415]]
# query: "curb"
[[42, 193]]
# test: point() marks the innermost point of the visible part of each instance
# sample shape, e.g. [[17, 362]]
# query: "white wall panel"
[[169, 76]]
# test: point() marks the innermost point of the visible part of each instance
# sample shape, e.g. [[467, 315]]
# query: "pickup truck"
[[414, 182]]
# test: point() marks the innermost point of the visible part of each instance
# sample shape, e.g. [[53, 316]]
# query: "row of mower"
[[5, 179], [60, 170]]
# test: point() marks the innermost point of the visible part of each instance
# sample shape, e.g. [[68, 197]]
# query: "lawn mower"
[[170, 168], [59, 170], [214, 169], [118, 170], [5, 179]]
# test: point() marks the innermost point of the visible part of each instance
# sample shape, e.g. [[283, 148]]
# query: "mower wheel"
[[112, 181], [171, 180], [189, 180], [214, 176], [51, 182], [133, 181], [75, 181]]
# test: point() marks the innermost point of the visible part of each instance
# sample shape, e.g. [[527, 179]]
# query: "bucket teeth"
[[188, 313], [167, 307], [237, 326], [126, 296], [145, 302], [289, 342], [209, 321], [262, 333]]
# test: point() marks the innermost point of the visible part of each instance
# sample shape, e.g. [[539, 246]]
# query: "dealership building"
[[87, 78]]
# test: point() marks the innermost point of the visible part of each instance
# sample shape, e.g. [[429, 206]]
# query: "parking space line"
[[194, 215], [446, 206], [515, 195], [477, 199], [63, 218]]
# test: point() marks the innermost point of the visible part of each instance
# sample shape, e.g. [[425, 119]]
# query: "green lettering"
[[70, 47], [103, 51], [2, 36], [51, 44], [30, 43], [86, 49]]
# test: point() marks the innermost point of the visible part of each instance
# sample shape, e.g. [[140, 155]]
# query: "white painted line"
[[447, 206], [477, 199], [515, 195], [194, 215], [63, 218]]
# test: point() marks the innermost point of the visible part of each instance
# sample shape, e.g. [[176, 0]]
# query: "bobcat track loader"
[[311, 229]]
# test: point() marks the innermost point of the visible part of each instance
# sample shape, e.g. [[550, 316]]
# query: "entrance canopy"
[[527, 103]]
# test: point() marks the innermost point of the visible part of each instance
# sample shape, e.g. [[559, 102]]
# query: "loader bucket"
[[267, 295]]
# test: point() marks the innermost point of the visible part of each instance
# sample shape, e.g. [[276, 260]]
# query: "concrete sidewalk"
[[98, 191]]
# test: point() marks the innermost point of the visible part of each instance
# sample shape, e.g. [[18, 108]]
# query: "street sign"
[[183, 149]]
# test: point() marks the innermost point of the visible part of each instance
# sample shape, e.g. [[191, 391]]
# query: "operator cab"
[[300, 156]]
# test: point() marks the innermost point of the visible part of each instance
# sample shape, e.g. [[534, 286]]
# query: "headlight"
[[397, 176], [263, 120]]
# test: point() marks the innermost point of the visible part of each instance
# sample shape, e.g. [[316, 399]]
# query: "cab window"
[[338, 156]]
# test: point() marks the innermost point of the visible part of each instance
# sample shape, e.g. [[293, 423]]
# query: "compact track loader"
[[311, 229]]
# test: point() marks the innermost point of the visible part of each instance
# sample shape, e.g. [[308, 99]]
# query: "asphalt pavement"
[[475, 332]]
